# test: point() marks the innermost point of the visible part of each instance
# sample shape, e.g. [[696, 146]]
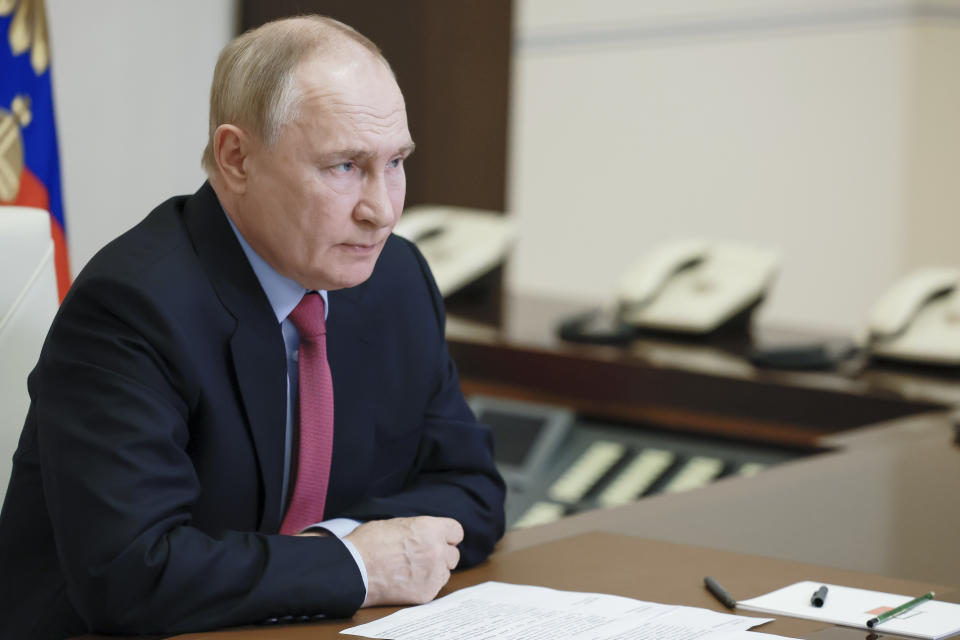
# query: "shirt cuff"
[[341, 527]]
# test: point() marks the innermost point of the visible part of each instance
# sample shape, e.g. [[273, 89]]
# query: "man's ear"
[[231, 146]]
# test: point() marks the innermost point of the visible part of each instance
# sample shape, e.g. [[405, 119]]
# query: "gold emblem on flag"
[[28, 30], [11, 146]]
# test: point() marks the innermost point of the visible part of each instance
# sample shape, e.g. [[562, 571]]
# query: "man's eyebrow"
[[360, 154], [344, 154]]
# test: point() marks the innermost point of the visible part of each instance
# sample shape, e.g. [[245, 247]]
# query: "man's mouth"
[[357, 247]]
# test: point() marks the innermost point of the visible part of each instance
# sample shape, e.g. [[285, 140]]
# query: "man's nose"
[[375, 207]]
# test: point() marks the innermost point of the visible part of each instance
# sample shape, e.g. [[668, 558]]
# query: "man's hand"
[[408, 560]]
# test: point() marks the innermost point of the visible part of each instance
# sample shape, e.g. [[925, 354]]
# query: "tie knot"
[[307, 317]]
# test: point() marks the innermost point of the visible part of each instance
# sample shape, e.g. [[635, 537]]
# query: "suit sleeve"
[[453, 474], [112, 419]]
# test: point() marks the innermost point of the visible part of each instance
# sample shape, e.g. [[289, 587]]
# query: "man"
[[172, 464]]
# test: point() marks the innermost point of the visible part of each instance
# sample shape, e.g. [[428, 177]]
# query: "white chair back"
[[28, 302]]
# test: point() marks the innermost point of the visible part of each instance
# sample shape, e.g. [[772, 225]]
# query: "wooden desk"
[[644, 569]]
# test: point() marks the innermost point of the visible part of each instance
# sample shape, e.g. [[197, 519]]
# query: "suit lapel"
[[259, 356]]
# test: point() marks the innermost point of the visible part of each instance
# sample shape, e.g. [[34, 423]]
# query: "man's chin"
[[345, 279]]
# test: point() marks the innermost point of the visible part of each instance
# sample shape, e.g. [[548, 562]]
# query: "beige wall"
[[825, 129], [933, 195]]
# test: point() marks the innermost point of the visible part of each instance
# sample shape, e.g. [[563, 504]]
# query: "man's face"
[[319, 205]]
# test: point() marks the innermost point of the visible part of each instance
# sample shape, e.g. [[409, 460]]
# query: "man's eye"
[[344, 167], [396, 162]]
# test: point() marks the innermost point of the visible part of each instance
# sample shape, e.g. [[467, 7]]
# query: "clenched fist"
[[408, 560]]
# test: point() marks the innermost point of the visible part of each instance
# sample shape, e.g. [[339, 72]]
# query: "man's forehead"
[[341, 122], [351, 89], [345, 106]]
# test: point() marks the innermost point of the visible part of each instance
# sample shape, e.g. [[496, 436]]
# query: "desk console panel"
[[557, 463]]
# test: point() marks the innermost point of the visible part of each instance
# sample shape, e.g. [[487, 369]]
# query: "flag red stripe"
[[60, 257]]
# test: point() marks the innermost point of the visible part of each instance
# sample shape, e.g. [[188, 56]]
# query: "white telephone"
[[691, 287], [918, 318], [459, 244], [695, 286]]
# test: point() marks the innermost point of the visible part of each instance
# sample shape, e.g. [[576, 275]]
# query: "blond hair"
[[254, 83]]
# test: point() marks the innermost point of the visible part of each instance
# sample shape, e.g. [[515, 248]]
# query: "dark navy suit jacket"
[[146, 490]]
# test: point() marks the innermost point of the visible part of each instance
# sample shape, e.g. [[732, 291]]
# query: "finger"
[[452, 531], [452, 557]]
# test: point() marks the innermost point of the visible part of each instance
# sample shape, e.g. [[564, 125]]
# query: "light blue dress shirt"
[[284, 295]]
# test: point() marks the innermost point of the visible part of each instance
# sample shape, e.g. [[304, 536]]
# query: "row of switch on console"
[[636, 478]]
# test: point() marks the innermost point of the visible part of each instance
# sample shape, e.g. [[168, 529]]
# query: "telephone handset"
[[687, 286], [918, 319], [459, 244], [647, 277], [695, 286]]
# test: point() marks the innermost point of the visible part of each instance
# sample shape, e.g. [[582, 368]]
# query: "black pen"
[[719, 593], [819, 596]]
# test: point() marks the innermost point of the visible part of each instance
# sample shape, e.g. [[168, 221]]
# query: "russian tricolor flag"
[[29, 162]]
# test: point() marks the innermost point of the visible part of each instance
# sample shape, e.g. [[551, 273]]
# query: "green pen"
[[906, 606]]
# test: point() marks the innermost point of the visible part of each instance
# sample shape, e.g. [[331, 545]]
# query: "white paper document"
[[853, 607], [501, 611]]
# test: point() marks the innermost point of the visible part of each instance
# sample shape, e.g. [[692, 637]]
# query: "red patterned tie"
[[316, 418]]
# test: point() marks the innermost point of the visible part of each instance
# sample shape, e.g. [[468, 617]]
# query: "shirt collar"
[[283, 293]]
